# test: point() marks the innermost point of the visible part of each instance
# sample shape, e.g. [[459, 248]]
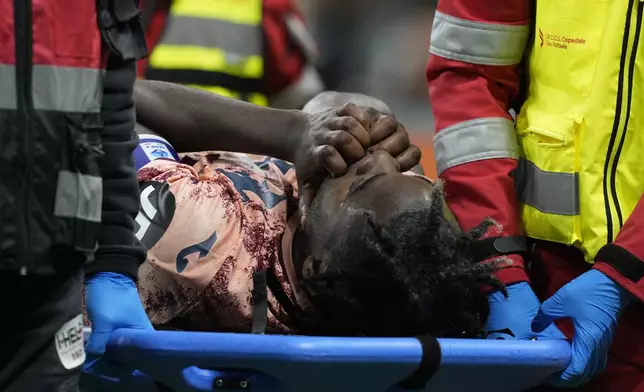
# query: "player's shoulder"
[[165, 170], [259, 167], [271, 164]]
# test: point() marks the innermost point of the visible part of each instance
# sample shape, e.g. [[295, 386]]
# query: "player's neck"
[[300, 250], [294, 253]]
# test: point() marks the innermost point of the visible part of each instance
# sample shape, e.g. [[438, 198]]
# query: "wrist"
[[297, 127], [511, 274], [623, 267], [514, 290], [111, 276], [614, 279]]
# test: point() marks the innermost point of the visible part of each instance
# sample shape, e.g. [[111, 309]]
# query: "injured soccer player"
[[379, 254]]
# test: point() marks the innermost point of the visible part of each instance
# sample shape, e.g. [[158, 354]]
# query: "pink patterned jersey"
[[208, 227]]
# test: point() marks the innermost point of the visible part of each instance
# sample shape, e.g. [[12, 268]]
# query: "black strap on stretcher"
[[260, 302], [499, 246], [265, 278], [429, 364], [262, 280]]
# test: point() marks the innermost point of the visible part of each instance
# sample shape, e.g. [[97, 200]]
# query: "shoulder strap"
[[498, 246], [260, 302]]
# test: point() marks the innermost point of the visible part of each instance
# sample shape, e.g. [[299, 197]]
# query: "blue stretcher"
[[163, 361]]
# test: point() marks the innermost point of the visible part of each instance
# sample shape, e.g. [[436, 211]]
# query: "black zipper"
[[629, 99], [617, 120], [24, 37]]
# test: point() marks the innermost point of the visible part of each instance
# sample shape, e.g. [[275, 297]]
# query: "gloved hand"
[[593, 302], [510, 318], [112, 302]]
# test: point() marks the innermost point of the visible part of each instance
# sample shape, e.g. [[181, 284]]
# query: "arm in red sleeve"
[[623, 260], [291, 77], [155, 20], [476, 49]]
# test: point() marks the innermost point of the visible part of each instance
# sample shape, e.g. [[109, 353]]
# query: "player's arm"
[[623, 260], [476, 48], [196, 120]]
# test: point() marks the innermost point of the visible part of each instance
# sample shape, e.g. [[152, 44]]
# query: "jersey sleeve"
[[473, 74]]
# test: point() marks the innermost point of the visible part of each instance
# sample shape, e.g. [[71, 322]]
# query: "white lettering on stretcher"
[[69, 343]]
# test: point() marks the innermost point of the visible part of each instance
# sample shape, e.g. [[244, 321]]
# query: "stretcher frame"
[[163, 361]]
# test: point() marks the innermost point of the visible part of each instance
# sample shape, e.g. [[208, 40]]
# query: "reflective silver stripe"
[[67, 89], [478, 42], [303, 37], [8, 87], [242, 40], [475, 140], [61, 89], [79, 196], [548, 192]]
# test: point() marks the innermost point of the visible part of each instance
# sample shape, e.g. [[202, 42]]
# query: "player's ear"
[[310, 267]]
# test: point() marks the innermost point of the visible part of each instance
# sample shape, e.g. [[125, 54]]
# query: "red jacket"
[[474, 76], [289, 52]]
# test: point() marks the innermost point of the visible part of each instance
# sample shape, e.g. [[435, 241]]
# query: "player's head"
[[388, 258], [335, 99]]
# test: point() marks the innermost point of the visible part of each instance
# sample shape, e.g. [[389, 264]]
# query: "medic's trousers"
[[39, 346]]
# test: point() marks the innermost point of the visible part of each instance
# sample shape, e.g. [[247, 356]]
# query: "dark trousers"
[[39, 328]]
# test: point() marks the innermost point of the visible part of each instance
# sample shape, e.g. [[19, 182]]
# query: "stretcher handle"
[[212, 349], [206, 349], [183, 360]]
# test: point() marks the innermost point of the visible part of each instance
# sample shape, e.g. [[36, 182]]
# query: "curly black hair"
[[412, 275]]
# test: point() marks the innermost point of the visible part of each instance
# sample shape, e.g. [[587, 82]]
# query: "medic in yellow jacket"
[[259, 51], [567, 174]]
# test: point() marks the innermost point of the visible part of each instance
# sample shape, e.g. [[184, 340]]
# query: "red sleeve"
[[476, 48], [623, 260], [153, 31], [291, 79]]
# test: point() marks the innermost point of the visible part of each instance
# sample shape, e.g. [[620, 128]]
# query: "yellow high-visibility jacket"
[[215, 45]]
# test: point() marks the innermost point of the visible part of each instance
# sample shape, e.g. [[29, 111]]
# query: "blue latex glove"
[[511, 318], [112, 302], [593, 302]]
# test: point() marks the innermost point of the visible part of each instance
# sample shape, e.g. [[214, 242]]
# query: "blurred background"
[[379, 48], [375, 47]]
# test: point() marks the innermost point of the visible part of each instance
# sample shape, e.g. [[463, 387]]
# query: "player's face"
[[375, 184], [336, 192]]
